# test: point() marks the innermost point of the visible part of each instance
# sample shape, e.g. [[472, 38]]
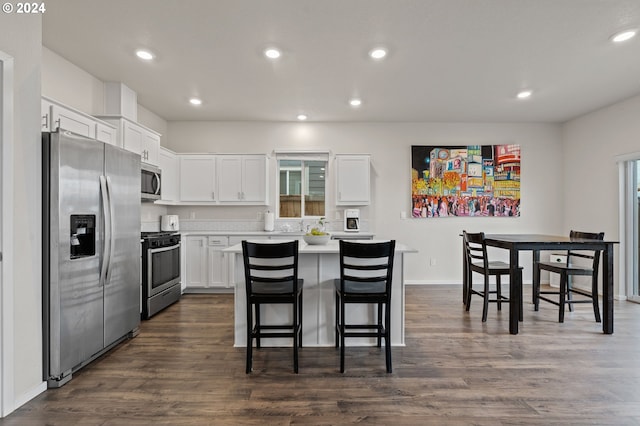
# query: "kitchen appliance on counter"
[[91, 265], [269, 221], [160, 271], [169, 223], [352, 220], [150, 182]]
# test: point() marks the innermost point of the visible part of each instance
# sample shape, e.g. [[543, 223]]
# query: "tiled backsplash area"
[[150, 221], [241, 225]]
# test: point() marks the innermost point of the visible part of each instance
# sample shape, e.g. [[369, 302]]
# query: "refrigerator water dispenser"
[[83, 236]]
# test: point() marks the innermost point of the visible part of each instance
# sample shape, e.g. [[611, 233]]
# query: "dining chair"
[[478, 261], [590, 262], [366, 271], [271, 277]]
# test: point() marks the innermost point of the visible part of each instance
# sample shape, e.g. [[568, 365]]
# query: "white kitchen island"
[[318, 265]]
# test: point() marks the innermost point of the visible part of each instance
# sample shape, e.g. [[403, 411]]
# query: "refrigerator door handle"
[[110, 232], [106, 243]]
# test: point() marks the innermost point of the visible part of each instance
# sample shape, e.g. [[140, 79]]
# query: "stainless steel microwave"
[[150, 183]]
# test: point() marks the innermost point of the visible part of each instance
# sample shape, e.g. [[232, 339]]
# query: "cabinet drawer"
[[218, 241]]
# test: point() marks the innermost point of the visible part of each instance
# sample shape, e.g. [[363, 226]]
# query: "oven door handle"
[[161, 249]]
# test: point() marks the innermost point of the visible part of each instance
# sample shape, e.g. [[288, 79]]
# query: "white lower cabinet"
[[205, 267]]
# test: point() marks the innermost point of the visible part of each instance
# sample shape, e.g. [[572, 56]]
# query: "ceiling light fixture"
[[195, 101], [144, 54], [378, 53], [355, 102], [272, 53], [623, 36], [302, 117], [525, 94]]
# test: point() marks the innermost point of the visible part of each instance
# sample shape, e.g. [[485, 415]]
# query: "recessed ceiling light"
[[144, 54], [272, 53], [525, 94], [623, 36], [195, 101], [302, 117], [378, 53], [355, 102]]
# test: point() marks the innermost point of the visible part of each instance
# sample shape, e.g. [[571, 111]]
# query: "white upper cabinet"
[[136, 138], [198, 178], [169, 165], [353, 180], [242, 179], [151, 148], [132, 136], [107, 133], [56, 115]]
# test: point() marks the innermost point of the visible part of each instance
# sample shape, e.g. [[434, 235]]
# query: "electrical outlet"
[[433, 261], [192, 215], [337, 215], [259, 216], [403, 215]]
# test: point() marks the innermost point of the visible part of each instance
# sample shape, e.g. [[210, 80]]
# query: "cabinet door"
[[197, 178], [242, 178], [168, 163], [66, 119], [150, 148], [132, 136], [254, 179], [352, 176], [215, 265], [196, 261], [230, 177], [106, 134]]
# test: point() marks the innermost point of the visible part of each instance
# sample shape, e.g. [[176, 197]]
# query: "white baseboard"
[[29, 395]]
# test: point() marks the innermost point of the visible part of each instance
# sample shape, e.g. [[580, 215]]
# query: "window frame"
[[303, 158]]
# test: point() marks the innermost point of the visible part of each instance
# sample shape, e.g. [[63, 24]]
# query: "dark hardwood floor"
[[182, 369]]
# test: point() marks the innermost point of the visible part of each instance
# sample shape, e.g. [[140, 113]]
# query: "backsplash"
[[240, 225]]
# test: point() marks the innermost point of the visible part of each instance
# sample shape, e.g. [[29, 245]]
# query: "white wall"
[[590, 177], [390, 147], [71, 85], [22, 38]]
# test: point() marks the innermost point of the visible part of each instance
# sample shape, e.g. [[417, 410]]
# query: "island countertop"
[[319, 266], [331, 247]]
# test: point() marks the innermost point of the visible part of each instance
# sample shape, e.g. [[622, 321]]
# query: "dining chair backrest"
[[362, 262], [593, 256], [475, 249], [270, 263]]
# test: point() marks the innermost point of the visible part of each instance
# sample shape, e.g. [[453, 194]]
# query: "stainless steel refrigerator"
[[91, 251]]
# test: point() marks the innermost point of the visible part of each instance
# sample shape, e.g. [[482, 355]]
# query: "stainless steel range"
[[160, 271]]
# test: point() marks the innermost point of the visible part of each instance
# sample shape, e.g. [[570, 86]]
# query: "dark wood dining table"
[[516, 243]]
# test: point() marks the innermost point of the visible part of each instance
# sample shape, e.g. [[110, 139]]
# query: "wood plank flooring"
[[182, 369]]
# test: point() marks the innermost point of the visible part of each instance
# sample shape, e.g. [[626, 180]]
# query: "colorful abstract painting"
[[474, 180]]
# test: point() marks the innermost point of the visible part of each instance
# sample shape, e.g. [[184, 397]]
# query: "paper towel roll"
[[269, 221]]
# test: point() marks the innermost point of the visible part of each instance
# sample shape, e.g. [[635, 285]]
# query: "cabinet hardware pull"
[[46, 121]]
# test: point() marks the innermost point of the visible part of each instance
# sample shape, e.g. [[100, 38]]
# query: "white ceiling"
[[449, 60]]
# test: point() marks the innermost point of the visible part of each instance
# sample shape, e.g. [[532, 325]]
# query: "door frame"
[[7, 397], [628, 223]]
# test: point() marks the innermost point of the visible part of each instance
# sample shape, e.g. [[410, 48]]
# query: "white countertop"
[[331, 247], [276, 233]]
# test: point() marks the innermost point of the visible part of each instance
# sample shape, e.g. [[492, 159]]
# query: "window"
[[302, 187]]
